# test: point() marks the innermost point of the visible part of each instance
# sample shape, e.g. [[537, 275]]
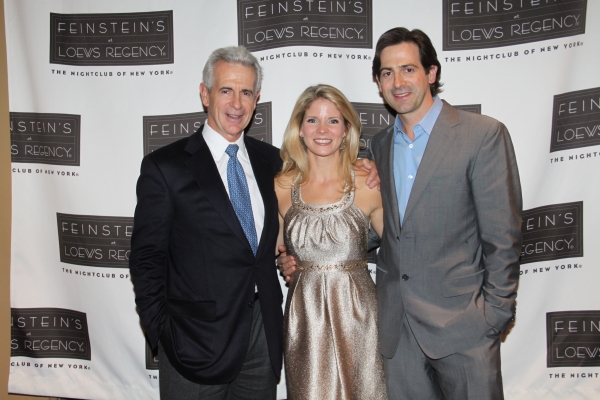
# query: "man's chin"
[[234, 131]]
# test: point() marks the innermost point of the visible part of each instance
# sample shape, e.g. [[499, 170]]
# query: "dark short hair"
[[426, 51]]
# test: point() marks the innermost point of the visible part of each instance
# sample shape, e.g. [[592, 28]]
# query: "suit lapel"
[[204, 170], [263, 173], [386, 164], [440, 140]]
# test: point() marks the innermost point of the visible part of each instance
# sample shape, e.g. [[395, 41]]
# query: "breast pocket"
[[443, 180]]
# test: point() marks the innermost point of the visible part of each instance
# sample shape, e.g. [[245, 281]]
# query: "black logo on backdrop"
[[573, 339], [470, 25], [95, 241], [268, 24], [151, 358], [49, 333], [474, 108], [376, 117], [45, 138], [144, 38], [552, 232], [576, 120], [161, 130]]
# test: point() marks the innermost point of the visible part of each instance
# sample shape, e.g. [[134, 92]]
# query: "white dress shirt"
[[217, 145]]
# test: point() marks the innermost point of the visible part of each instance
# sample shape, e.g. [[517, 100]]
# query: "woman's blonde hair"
[[293, 151]]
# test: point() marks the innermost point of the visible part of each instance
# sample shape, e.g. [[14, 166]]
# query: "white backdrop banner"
[[96, 85]]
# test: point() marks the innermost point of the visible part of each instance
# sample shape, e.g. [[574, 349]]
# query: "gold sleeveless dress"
[[331, 347]]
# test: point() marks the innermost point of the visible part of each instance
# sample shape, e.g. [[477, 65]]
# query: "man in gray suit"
[[448, 264]]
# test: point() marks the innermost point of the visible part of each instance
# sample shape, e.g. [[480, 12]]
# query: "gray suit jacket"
[[453, 267]]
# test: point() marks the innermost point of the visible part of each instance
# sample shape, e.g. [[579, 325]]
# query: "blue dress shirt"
[[408, 153]]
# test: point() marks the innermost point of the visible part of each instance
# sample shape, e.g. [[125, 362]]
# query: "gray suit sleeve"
[[496, 192]]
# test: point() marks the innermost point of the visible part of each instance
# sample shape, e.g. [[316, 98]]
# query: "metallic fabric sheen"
[[330, 326]]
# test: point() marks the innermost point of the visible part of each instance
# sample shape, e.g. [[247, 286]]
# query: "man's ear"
[[204, 95], [431, 75]]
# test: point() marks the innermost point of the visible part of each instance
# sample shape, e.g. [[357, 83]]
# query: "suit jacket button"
[[251, 304], [404, 277]]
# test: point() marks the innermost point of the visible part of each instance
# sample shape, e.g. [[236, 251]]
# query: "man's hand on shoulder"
[[369, 166]]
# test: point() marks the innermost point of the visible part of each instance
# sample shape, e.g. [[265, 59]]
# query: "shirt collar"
[[218, 144], [428, 121]]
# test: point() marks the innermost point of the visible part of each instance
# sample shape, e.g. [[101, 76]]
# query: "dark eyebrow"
[[230, 88], [400, 66]]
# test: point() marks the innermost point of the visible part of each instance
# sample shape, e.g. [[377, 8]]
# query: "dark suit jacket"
[[453, 266], [192, 267]]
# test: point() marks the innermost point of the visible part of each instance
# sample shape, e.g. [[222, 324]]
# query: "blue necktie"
[[240, 195]]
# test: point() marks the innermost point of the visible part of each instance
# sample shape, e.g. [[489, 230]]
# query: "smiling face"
[[323, 128], [404, 83], [231, 101]]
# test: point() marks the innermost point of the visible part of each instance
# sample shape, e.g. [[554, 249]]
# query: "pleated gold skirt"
[[330, 336]]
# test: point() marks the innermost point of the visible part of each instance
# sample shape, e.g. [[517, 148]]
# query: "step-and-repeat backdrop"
[[96, 85]]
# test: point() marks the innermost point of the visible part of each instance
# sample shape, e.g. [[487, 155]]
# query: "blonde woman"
[[330, 324]]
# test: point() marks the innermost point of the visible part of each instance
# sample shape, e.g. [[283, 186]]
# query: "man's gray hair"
[[232, 55]]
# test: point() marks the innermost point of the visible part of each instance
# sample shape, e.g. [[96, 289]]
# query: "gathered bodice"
[[328, 236]]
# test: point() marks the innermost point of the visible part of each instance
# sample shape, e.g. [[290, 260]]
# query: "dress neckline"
[[346, 200]]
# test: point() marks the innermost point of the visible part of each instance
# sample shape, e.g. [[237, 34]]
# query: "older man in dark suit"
[[202, 248]]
